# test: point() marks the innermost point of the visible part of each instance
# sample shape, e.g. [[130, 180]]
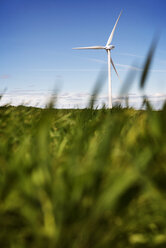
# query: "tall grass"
[[82, 178]]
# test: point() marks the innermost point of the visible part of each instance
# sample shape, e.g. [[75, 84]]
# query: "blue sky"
[[36, 37]]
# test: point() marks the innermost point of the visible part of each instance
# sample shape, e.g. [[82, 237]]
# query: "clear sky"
[[37, 36]]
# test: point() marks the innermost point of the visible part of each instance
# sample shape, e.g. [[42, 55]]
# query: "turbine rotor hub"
[[110, 47]]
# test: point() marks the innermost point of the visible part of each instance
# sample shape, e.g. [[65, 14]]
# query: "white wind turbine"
[[108, 47]]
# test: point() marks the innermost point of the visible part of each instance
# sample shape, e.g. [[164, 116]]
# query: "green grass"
[[82, 178]]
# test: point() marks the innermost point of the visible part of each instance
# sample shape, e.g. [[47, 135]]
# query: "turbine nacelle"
[[110, 47]]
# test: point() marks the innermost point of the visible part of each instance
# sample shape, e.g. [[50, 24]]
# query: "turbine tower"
[[108, 47]]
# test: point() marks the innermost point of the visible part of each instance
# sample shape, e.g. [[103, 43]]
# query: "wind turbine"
[[108, 47]]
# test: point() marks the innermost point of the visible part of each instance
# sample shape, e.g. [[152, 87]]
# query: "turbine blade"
[[91, 47], [113, 30], [115, 69]]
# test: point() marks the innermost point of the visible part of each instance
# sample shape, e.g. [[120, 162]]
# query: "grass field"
[[82, 178]]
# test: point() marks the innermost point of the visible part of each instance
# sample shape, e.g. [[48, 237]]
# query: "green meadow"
[[90, 178], [82, 178]]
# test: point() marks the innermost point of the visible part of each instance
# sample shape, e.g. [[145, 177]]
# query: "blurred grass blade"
[[97, 87], [146, 103], [128, 82], [148, 63], [53, 99], [2, 94]]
